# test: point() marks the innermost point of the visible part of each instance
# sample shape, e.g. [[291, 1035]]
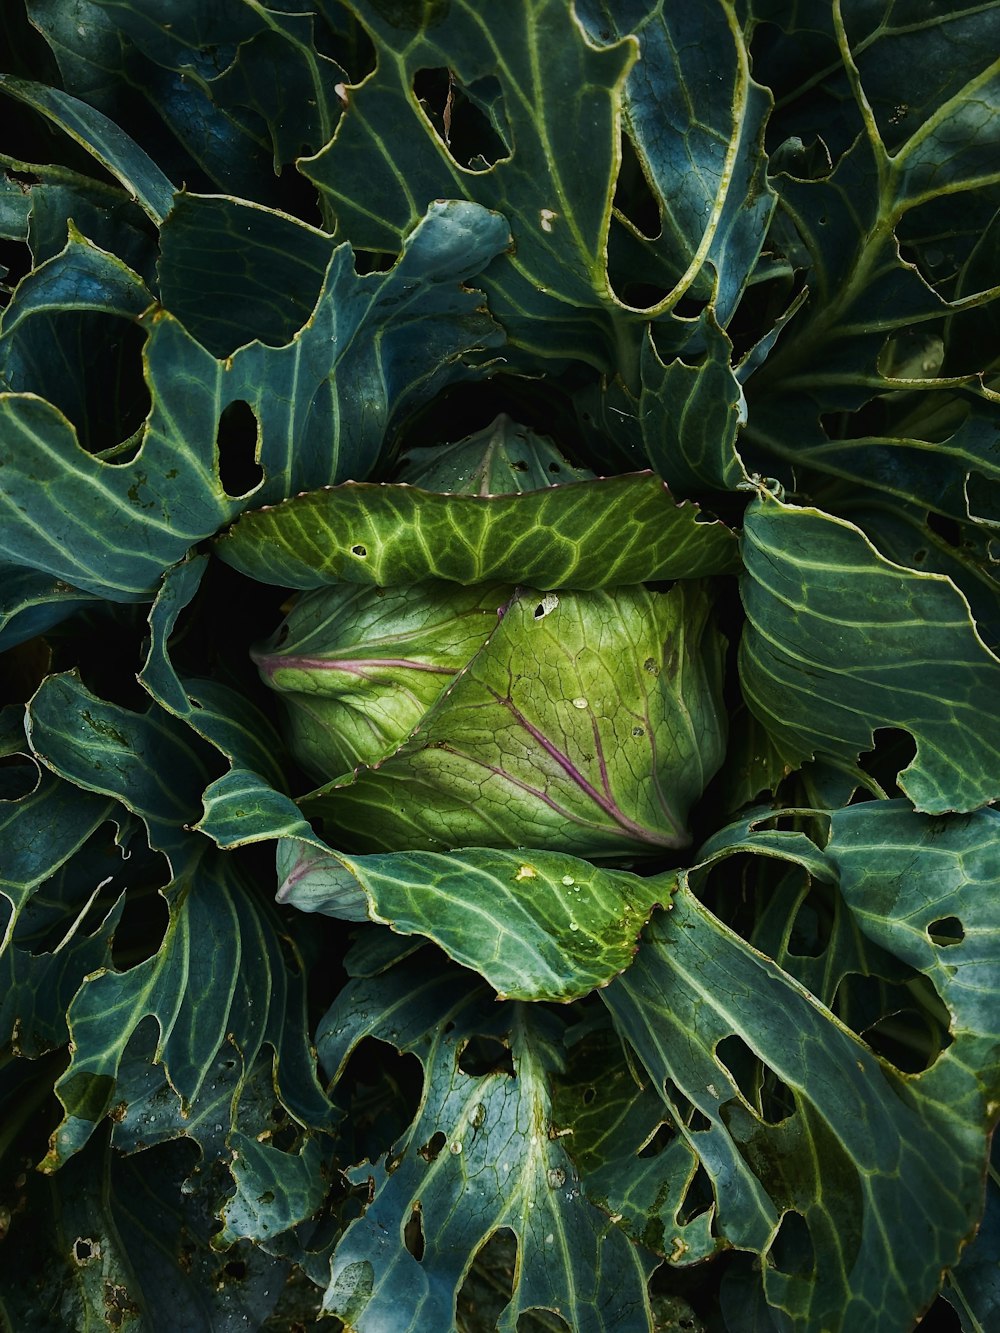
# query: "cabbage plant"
[[500, 641]]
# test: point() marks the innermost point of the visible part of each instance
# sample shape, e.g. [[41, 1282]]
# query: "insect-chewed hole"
[[236, 444], [946, 931], [85, 1250], [698, 1197], [431, 1150], [360, 551], [792, 1248], [485, 1055], [470, 120], [759, 1085], [413, 1234], [490, 1284], [910, 1038], [664, 1134]]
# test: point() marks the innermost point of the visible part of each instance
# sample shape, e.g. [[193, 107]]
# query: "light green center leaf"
[[588, 534]]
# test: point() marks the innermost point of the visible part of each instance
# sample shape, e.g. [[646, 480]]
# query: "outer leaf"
[[617, 1126], [145, 760], [497, 1167], [216, 711], [274, 1190], [112, 1243], [112, 147], [916, 131], [553, 102], [537, 925], [883, 646], [685, 417], [54, 345], [589, 723], [307, 398], [31, 603], [167, 109], [498, 460], [63, 933], [219, 980], [859, 1158], [241, 807], [231, 271], [56, 861], [973, 1288], [276, 74], [589, 534], [707, 170]]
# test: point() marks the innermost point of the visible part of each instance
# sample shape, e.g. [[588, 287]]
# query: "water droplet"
[[573, 926], [556, 1177], [549, 1238], [579, 703], [456, 1147], [568, 879]]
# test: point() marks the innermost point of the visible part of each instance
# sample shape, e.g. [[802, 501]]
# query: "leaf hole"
[[681, 1108], [431, 1150], [142, 927], [236, 1269], [470, 120], [946, 931], [413, 1234], [697, 1122], [654, 1145], [548, 603], [759, 1086], [588, 1096], [481, 1056], [85, 1250], [88, 365], [236, 442], [699, 1197], [360, 551], [792, 1249], [380, 1088], [911, 1039], [489, 1286]]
